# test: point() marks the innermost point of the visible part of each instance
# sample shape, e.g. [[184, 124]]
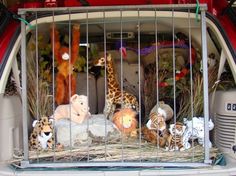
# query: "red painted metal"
[[214, 7], [120, 2], [50, 3], [162, 2], [33, 5], [227, 24], [72, 3], [6, 37], [229, 28]]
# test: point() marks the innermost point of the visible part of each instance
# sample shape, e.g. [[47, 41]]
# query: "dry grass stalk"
[[39, 100], [131, 152], [150, 87], [185, 103]]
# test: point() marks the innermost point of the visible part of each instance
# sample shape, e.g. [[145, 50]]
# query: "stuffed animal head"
[[80, 104], [177, 129], [64, 51], [163, 110], [102, 61], [125, 120], [43, 126], [156, 122], [42, 133]]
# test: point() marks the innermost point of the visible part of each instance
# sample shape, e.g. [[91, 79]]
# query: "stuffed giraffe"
[[114, 94]]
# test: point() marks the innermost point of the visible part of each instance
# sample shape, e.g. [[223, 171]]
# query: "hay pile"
[[121, 150]]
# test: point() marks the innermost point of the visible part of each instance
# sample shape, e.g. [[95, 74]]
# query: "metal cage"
[[104, 18]]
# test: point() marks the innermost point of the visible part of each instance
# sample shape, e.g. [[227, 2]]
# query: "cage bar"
[[157, 73], [112, 8], [174, 68], [24, 93], [191, 72], [105, 76], [53, 83], [205, 86], [121, 82], [69, 33], [87, 83]]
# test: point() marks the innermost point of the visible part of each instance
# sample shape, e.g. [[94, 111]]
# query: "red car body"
[[216, 8]]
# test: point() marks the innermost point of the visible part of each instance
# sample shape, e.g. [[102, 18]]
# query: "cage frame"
[[25, 162]]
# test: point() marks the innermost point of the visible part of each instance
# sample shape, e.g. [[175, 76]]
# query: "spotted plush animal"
[[42, 137], [175, 140], [155, 130], [114, 94]]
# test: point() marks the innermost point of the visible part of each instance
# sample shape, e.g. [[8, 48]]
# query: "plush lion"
[[65, 77], [125, 121]]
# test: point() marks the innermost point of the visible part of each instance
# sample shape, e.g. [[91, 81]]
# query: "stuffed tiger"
[[175, 139], [155, 130]]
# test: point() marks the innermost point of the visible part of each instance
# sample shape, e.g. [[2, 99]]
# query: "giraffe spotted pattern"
[[114, 94]]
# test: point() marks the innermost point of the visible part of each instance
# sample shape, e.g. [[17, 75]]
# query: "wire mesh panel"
[[114, 86]]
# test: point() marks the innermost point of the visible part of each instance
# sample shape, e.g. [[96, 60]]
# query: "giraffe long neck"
[[112, 82]]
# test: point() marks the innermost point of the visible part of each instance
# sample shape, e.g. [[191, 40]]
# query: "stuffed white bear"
[[195, 130], [77, 110]]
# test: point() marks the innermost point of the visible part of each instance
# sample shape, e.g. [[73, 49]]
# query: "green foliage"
[[94, 50], [44, 47], [80, 64]]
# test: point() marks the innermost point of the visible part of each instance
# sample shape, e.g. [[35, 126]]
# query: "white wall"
[[10, 126]]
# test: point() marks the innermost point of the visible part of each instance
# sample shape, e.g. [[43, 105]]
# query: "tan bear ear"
[[74, 97]]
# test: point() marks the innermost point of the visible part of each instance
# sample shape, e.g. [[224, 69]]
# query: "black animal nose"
[[234, 148], [46, 133], [160, 133]]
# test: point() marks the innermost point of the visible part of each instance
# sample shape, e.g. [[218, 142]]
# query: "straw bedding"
[[126, 150]]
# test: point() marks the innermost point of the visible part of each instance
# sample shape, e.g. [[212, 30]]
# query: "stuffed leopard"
[[42, 137]]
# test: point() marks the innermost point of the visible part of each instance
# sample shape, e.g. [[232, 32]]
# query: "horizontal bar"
[[105, 8], [114, 164]]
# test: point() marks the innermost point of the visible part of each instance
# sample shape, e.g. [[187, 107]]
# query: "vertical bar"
[[87, 84], [157, 78], [37, 75], [205, 86], [139, 88], [37, 65], [105, 82], [71, 157], [87, 58], [24, 91], [191, 74], [121, 82], [53, 82], [174, 80]]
